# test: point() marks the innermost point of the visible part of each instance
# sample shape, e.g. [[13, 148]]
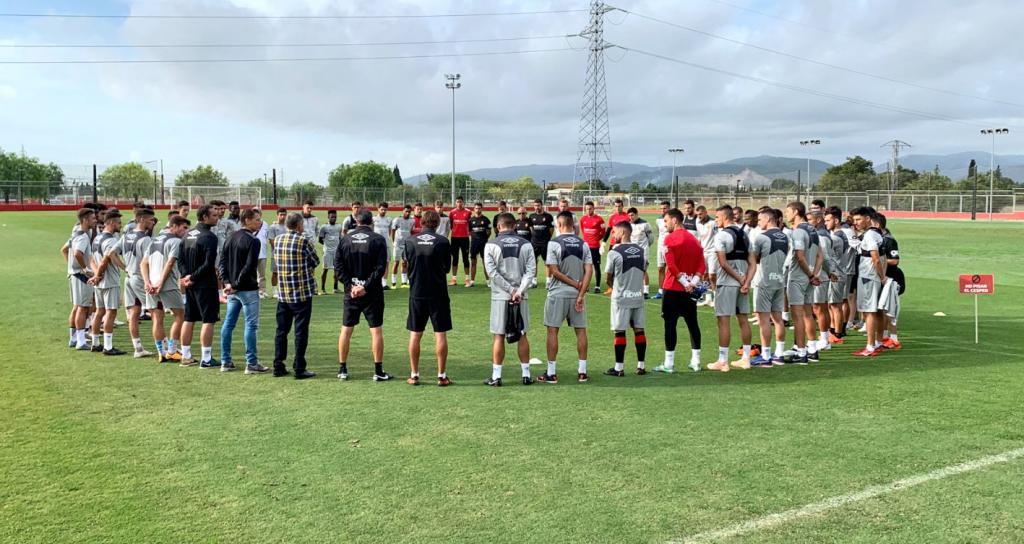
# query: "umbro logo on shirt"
[[426, 237], [633, 250], [360, 236]]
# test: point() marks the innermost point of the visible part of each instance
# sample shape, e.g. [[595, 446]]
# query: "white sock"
[[186, 352], [695, 355], [878, 344], [583, 366], [619, 367], [384, 282], [207, 354], [641, 364], [661, 291], [442, 375], [526, 369], [405, 279], [108, 340], [392, 278], [414, 374], [785, 316], [812, 347], [495, 369], [169, 345], [551, 368], [894, 339], [766, 352], [801, 351], [647, 289], [80, 337], [71, 334], [885, 334], [869, 347], [823, 338], [723, 354], [780, 348], [670, 359], [746, 351], [137, 342], [95, 339]]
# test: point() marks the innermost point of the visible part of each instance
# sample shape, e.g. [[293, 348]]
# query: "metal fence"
[[56, 193]]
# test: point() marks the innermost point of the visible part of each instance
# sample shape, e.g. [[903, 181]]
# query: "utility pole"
[[894, 173], [992, 166], [452, 82], [274, 180], [675, 151], [807, 143], [593, 160], [972, 173]]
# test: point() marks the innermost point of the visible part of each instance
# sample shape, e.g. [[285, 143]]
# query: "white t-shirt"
[[262, 237]]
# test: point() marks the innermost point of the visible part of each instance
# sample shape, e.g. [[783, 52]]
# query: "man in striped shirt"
[[295, 261]]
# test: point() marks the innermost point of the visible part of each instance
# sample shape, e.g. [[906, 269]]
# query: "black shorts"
[[460, 244], [438, 310], [202, 304], [476, 247], [372, 307], [853, 283], [676, 304], [540, 249]]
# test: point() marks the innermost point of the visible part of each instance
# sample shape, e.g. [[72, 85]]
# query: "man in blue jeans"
[[238, 266]]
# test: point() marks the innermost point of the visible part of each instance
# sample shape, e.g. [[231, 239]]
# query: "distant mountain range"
[[752, 171]]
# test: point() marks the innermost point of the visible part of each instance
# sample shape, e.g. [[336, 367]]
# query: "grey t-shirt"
[[625, 263], [168, 247], [79, 242], [310, 227], [510, 263], [870, 241], [842, 254], [275, 229], [571, 254], [770, 248], [134, 246], [382, 226], [331, 235], [828, 264], [728, 240], [805, 239], [104, 244], [403, 227]]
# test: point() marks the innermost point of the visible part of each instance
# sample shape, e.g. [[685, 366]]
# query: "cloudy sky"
[[306, 117]]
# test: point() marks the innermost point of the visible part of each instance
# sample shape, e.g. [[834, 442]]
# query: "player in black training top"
[[360, 263], [197, 265], [428, 255], [522, 225], [479, 232], [542, 224]]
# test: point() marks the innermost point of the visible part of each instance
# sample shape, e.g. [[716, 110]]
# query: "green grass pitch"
[[97, 449]]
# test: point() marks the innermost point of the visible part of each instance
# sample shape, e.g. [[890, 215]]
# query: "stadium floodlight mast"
[[675, 151], [807, 143], [155, 161], [992, 166], [452, 82]]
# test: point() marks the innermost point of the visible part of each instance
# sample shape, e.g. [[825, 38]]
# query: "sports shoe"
[[778, 361], [413, 380], [191, 361], [796, 360], [256, 368], [387, 287], [72, 343], [96, 349], [647, 296], [212, 363], [833, 339], [405, 286], [280, 372], [582, 377], [824, 346], [742, 364], [787, 323], [382, 377], [113, 352], [814, 357], [721, 366], [694, 365], [527, 380], [616, 373], [176, 356], [118, 323], [494, 382], [641, 371], [889, 343], [864, 353], [227, 366], [667, 369], [444, 382], [304, 375], [608, 292], [139, 354], [597, 290], [470, 283], [548, 378], [342, 374], [83, 347], [658, 296], [760, 362], [453, 281]]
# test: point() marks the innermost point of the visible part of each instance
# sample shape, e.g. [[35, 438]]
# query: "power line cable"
[[820, 63], [805, 90], [283, 17], [283, 59], [259, 45]]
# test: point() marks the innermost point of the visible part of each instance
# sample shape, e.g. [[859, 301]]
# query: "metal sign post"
[[977, 284]]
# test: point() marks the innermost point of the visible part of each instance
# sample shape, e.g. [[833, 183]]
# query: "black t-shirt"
[[429, 256], [523, 228], [542, 224], [362, 259], [480, 228], [198, 257]]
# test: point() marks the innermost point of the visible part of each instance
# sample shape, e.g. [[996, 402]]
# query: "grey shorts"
[[498, 315], [396, 250], [769, 299], [661, 253], [167, 300], [820, 293], [134, 292], [626, 318], [82, 294], [839, 290], [800, 291], [729, 301], [108, 298], [868, 292], [328, 260], [711, 263], [563, 310]]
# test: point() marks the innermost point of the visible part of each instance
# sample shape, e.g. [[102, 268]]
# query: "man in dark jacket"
[[427, 255], [197, 265], [360, 263], [238, 267]]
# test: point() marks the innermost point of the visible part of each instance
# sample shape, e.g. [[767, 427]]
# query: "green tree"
[[360, 174], [127, 180], [397, 174], [634, 187], [43, 180], [202, 176], [999, 181], [856, 174], [443, 182], [303, 191], [782, 184], [518, 189], [266, 188]]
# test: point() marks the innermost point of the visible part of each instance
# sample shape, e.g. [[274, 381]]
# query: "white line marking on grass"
[[831, 503]]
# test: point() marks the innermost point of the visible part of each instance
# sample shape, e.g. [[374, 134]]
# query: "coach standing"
[[239, 269], [360, 262], [295, 261], [428, 255], [197, 264]]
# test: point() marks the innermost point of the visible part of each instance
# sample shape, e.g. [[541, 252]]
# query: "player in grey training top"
[[401, 228], [804, 265], [382, 226], [821, 291], [871, 272], [510, 264], [107, 265], [134, 247], [79, 257], [732, 287], [769, 250], [570, 268], [624, 272], [330, 236], [160, 267], [842, 255], [273, 231]]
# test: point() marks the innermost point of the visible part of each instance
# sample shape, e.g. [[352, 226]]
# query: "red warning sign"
[[977, 284]]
